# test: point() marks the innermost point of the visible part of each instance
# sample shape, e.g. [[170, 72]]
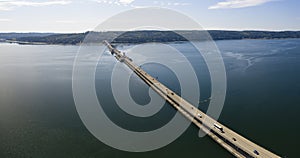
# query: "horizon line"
[[237, 30]]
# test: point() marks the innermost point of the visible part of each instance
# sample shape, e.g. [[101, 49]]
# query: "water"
[[38, 117]]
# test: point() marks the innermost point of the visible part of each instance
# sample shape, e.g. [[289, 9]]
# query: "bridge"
[[233, 142]]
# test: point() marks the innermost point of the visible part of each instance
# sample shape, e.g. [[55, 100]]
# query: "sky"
[[66, 16]]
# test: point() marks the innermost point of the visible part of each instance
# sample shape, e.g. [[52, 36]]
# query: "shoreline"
[[130, 43]]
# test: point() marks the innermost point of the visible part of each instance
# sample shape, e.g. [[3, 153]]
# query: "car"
[[219, 127], [199, 115], [256, 152]]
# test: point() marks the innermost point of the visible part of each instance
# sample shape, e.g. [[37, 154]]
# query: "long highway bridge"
[[236, 144]]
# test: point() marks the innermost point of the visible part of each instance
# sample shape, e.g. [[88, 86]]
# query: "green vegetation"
[[142, 36], [14, 35]]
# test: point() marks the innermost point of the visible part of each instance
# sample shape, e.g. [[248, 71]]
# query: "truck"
[[219, 127]]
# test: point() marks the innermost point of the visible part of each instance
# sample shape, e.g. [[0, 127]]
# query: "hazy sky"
[[84, 15]]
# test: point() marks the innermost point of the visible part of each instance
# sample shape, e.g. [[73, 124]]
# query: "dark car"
[[256, 152]]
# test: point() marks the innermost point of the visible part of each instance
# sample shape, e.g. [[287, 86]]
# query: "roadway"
[[236, 144]]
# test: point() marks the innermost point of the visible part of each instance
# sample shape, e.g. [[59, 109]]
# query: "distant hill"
[[19, 35], [143, 36]]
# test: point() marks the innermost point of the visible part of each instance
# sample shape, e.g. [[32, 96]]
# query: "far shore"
[[126, 43]]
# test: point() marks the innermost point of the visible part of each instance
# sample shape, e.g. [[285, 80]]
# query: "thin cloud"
[[115, 2], [170, 3], [66, 21], [126, 2], [147, 4], [5, 20], [228, 4], [161, 4], [11, 4]]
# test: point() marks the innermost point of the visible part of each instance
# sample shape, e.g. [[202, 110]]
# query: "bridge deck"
[[227, 138]]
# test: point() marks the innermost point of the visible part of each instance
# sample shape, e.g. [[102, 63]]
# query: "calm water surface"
[[38, 117]]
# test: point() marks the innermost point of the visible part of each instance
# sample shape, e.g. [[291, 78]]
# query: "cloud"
[[11, 4], [66, 21], [115, 2], [145, 4], [161, 4], [170, 3], [5, 20], [126, 1], [238, 4]]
